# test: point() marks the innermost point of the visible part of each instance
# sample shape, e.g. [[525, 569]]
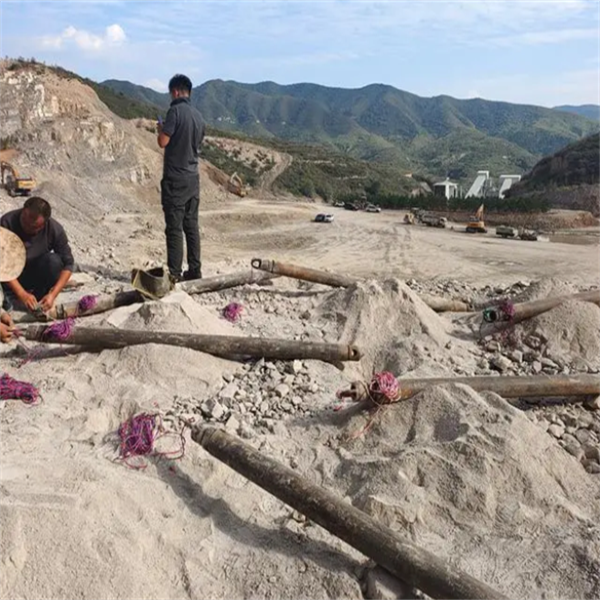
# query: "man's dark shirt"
[[186, 129], [51, 238]]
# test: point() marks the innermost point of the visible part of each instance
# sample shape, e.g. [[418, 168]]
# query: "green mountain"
[[590, 111], [576, 164], [138, 93], [435, 136]]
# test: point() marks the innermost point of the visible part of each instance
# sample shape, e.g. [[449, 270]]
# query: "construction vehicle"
[[432, 220], [506, 231], [476, 224], [529, 235], [235, 185], [409, 219], [15, 185]]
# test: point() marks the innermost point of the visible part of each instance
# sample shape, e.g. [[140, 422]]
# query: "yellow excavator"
[[15, 185], [476, 224], [235, 185]]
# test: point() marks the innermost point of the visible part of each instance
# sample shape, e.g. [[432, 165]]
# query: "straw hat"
[[12, 255]]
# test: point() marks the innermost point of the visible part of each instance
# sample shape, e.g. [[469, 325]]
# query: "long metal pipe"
[[532, 386], [297, 272], [401, 557], [526, 310], [219, 345]]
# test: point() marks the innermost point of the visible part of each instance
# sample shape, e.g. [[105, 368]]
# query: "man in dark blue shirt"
[[181, 136], [49, 260]]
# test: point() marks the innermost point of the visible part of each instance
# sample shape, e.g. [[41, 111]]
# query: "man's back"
[[185, 127]]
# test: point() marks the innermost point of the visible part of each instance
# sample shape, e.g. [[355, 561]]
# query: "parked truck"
[[506, 231], [432, 220]]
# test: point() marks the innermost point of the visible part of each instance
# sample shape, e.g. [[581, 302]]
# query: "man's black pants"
[[38, 277], [180, 199]]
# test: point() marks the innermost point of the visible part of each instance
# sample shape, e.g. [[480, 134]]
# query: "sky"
[[541, 52]]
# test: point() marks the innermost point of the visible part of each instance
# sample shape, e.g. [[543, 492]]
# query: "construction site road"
[[364, 245]]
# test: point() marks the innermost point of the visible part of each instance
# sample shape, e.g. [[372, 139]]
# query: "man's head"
[[36, 212], [180, 86]]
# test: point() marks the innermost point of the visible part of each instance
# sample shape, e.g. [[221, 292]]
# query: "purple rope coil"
[[233, 311], [138, 436], [59, 331], [12, 389], [508, 309], [86, 303]]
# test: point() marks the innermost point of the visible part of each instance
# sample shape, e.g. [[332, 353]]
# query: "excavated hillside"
[[568, 178], [97, 170]]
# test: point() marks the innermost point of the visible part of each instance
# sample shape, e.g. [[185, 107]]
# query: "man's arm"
[[166, 129], [29, 300], [63, 249]]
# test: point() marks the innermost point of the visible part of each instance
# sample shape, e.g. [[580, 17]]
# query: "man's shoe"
[[191, 275]]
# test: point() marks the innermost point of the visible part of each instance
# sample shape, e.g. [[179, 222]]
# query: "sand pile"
[[168, 367], [569, 330], [550, 287], [472, 479], [395, 330]]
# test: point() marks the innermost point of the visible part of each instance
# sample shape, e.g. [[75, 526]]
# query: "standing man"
[[49, 260], [181, 136]]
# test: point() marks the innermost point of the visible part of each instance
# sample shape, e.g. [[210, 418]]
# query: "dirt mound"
[[546, 288], [177, 312], [571, 329], [165, 365], [472, 479], [394, 329]]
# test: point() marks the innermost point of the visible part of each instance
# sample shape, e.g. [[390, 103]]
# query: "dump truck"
[[432, 220], [506, 231], [528, 235], [15, 185]]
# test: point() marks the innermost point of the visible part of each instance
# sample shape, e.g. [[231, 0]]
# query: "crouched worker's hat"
[[12, 255]]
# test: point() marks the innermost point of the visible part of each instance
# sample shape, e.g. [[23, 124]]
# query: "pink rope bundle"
[[12, 389], [233, 311], [138, 436], [59, 331], [384, 386], [86, 303], [508, 309], [382, 390]]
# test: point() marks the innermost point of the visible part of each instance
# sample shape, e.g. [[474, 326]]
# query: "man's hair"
[[181, 83], [38, 206]]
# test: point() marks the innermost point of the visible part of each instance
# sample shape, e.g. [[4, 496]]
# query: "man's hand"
[[47, 302], [29, 300], [6, 328]]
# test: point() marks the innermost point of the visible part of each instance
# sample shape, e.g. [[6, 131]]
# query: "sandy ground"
[[381, 244], [467, 476]]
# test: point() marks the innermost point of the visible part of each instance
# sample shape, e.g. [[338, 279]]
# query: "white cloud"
[[85, 40], [535, 38], [580, 86], [156, 84]]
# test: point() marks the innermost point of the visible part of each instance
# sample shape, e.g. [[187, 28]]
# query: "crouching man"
[[12, 262], [49, 260]]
